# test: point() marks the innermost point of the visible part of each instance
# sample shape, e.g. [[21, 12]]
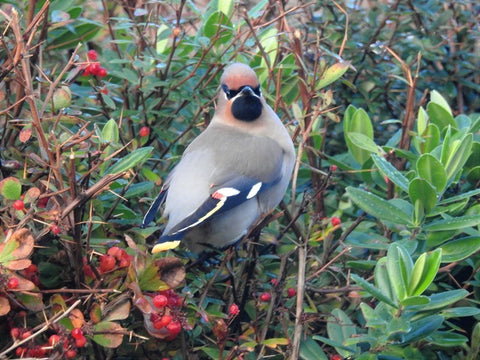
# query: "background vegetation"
[[374, 252]]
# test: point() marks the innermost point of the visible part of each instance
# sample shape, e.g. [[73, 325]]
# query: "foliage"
[[374, 253]]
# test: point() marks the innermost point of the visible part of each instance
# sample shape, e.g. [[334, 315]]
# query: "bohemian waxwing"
[[235, 171]]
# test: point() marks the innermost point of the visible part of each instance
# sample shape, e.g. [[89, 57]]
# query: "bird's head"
[[240, 94]]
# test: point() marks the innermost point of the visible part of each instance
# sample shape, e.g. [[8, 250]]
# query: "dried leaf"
[[18, 264], [4, 306], [96, 313], [25, 134], [32, 195], [119, 312], [58, 303], [76, 316], [139, 300], [171, 271], [25, 241]]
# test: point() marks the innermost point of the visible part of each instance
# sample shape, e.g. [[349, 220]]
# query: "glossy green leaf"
[[363, 142], [382, 281], [424, 271], [391, 172], [340, 328], [310, 350], [371, 317], [417, 300], [372, 290], [446, 339], [110, 132], [422, 328], [422, 120], [439, 116], [399, 268], [462, 311], [358, 121], [460, 249], [136, 157], [108, 334], [69, 39], [466, 195], [420, 189], [432, 170], [443, 299], [437, 98], [455, 223], [332, 74], [460, 151], [378, 207], [218, 27]]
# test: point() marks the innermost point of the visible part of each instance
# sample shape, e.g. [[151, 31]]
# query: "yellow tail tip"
[[165, 246]]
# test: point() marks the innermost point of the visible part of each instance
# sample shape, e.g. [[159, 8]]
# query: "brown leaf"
[[4, 306], [220, 330], [32, 195], [120, 312], [76, 316], [23, 284], [25, 242], [18, 264], [25, 134], [139, 300], [171, 270], [96, 313]]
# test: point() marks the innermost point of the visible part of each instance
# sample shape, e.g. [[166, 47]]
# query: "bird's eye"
[[229, 93], [257, 91]]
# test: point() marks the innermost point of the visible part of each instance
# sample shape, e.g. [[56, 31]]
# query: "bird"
[[234, 172]]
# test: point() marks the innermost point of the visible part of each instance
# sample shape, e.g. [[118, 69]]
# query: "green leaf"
[[363, 142], [399, 268], [459, 152], [110, 133], [371, 317], [432, 170], [462, 311], [108, 334], [310, 350], [391, 172], [422, 328], [437, 98], [378, 207], [443, 300], [382, 281], [422, 120], [358, 121], [460, 197], [417, 300], [424, 271], [456, 223], [136, 157], [440, 117], [68, 39], [372, 290], [421, 190], [445, 339], [460, 249], [341, 328], [218, 27], [11, 188], [332, 74]]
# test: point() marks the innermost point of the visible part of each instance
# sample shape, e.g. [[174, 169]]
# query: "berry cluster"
[[94, 68], [115, 257], [167, 318], [31, 273], [57, 344]]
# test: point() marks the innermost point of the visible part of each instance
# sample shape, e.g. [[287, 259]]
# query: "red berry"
[[333, 168], [12, 283], [19, 351], [160, 301], [70, 354], [53, 340], [102, 72], [77, 333], [233, 310], [274, 282], [104, 90], [32, 269], [19, 205], [94, 68], [165, 320], [107, 263], [116, 252], [80, 341], [335, 221], [265, 297], [26, 334], [92, 55], [174, 328], [386, 179], [336, 357], [14, 333], [144, 131], [55, 229], [86, 71], [124, 262], [291, 292]]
